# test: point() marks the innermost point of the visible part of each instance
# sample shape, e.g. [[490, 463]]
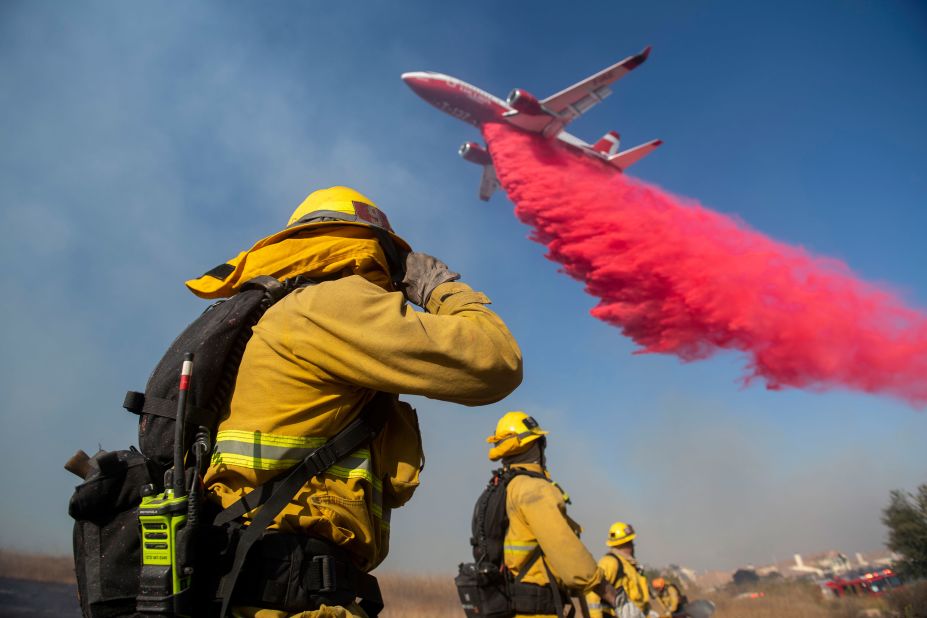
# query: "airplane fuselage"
[[468, 103], [457, 98]]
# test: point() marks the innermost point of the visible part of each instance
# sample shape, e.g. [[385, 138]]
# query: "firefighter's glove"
[[423, 274]]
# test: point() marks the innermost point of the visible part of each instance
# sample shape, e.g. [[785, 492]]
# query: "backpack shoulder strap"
[[620, 563], [558, 598], [362, 430], [536, 553], [619, 570]]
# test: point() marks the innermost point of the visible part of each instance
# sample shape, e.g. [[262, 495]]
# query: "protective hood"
[[316, 252]]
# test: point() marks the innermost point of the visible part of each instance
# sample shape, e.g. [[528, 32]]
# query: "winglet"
[[639, 59]]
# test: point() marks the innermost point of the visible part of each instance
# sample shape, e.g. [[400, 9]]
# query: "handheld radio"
[[163, 517]]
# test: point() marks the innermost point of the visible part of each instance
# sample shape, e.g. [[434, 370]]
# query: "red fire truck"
[[868, 582]]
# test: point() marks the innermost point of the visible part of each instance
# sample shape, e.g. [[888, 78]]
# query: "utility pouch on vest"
[[483, 591], [487, 591], [107, 549], [398, 449]]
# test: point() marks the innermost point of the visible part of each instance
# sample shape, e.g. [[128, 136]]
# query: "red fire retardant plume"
[[681, 279]]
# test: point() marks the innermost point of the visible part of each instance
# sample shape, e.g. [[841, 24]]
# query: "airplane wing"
[[624, 160], [488, 183], [578, 98]]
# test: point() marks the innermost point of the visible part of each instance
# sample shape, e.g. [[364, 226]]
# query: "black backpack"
[[107, 547], [490, 520], [107, 544], [486, 588]]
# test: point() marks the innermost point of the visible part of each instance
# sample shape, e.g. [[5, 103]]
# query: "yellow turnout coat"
[[623, 573], [318, 356], [537, 516]]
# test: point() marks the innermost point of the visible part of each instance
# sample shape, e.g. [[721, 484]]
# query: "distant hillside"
[[36, 567]]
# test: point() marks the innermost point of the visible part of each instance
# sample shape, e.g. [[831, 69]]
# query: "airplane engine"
[[524, 103], [474, 153]]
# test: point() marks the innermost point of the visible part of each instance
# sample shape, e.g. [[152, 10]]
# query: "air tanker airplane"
[[523, 110]]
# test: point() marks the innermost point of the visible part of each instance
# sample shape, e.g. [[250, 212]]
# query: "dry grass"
[[434, 596], [792, 600], [910, 601], [36, 567], [419, 596]]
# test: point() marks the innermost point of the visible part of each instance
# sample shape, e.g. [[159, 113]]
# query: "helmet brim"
[[295, 229], [622, 541]]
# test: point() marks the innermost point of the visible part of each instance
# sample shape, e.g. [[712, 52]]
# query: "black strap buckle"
[[269, 285], [322, 458], [327, 576]]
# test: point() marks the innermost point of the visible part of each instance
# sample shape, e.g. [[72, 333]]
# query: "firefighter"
[[317, 358], [624, 573], [670, 596], [540, 532]]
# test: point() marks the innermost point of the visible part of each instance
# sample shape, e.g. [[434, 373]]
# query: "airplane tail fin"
[[624, 160], [608, 144]]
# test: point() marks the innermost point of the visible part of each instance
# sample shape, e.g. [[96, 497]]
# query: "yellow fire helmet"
[[515, 431], [620, 533], [332, 206], [342, 205]]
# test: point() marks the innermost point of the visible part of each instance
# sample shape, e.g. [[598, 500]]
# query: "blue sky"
[[143, 144]]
